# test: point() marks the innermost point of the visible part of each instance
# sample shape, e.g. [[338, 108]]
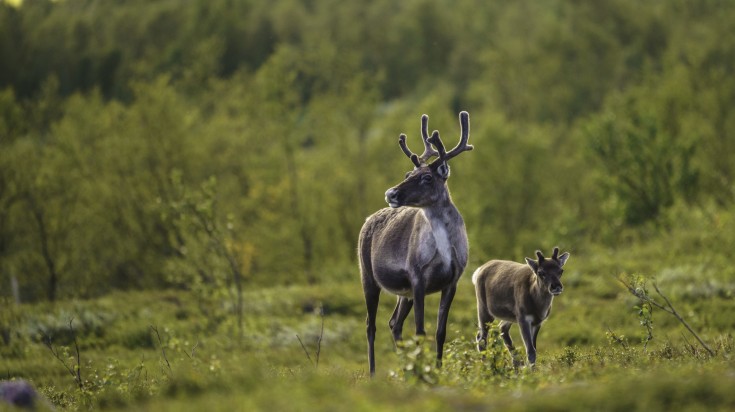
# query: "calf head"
[[549, 271]]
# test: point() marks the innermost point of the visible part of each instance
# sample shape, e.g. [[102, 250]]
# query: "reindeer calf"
[[514, 292]]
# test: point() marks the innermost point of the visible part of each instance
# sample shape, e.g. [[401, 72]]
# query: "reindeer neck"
[[448, 230], [443, 213], [540, 293]]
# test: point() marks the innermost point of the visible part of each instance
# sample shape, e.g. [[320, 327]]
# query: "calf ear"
[[532, 264], [563, 258]]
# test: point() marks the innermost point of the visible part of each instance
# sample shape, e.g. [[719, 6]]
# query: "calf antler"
[[540, 257]]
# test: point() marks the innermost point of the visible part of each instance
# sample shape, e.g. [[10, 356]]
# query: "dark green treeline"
[[240, 143]]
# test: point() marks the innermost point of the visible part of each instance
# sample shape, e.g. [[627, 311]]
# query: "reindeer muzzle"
[[391, 197]]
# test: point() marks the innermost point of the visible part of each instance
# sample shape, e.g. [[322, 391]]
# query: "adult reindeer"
[[418, 246]]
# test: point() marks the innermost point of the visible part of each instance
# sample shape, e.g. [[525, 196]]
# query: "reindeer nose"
[[391, 197], [556, 290]]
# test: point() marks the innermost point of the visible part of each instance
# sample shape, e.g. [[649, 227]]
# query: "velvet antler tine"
[[404, 146], [436, 140], [407, 151], [428, 150], [462, 146]]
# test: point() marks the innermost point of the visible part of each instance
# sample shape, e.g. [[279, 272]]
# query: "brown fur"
[[517, 293], [417, 246]]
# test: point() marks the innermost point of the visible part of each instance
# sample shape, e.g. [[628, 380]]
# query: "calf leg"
[[484, 318], [403, 307], [527, 335], [505, 334], [536, 329]]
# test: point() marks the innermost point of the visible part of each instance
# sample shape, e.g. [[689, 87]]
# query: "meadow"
[[182, 184], [303, 347]]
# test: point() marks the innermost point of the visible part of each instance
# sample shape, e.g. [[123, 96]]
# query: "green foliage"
[[220, 157], [418, 362], [192, 366], [592, 124], [646, 168]]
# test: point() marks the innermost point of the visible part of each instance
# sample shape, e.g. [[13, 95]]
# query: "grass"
[[169, 350]]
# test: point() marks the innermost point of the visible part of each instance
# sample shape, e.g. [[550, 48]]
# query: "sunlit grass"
[[590, 352]]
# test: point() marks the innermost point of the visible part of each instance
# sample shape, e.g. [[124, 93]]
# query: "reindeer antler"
[[555, 256], [428, 150], [462, 146]]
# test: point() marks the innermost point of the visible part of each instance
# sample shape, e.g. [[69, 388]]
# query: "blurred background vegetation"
[[157, 144]]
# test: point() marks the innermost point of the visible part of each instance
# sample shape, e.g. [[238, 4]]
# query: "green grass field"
[[171, 351]]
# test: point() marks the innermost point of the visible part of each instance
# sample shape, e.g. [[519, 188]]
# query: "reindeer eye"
[[427, 178]]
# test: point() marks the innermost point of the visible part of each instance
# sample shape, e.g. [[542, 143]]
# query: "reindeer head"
[[426, 183], [549, 271]]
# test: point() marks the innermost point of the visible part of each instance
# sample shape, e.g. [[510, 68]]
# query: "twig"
[[691, 347], [669, 308], [304, 348], [76, 348], [617, 338], [194, 348], [76, 374], [321, 335], [163, 349]]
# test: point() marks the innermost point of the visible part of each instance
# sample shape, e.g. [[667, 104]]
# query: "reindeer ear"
[[563, 258], [532, 264], [443, 170]]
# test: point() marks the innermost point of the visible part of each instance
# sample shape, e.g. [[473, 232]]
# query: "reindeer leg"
[[419, 294], [441, 321], [536, 329], [372, 298], [403, 307]]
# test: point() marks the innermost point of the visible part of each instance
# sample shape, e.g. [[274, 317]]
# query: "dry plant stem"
[[76, 348], [318, 342], [76, 373], [304, 348], [163, 349], [321, 334]]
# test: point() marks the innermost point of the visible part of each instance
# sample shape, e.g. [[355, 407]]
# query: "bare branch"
[[304, 348], [683, 322], [668, 308], [76, 374]]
